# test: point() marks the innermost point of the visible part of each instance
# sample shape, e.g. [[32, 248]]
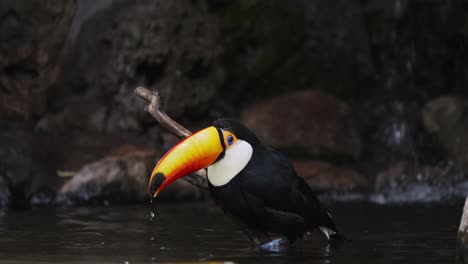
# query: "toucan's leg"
[[256, 237], [262, 239]]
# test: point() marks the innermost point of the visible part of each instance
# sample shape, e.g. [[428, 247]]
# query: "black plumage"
[[268, 195]]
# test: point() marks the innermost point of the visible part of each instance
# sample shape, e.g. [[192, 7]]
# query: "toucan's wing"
[[276, 183], [270, 219], [283, 193]]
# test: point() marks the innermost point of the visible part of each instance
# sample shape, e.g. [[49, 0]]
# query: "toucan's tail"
[[332, 233], [318, 216], [328, 228]]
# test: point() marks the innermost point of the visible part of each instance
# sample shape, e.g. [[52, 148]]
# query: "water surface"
[[196, 232]]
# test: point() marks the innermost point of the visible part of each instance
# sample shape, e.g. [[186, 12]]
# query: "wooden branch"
[[156, 110]]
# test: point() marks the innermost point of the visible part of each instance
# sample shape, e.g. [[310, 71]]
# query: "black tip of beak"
[[157, 181]]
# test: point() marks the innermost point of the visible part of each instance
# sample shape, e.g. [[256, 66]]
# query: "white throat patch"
[[235, 159]]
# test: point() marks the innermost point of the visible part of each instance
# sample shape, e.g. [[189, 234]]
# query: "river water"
[[200, 232]]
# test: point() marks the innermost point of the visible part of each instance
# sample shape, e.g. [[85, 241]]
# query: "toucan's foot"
[[275, 245]]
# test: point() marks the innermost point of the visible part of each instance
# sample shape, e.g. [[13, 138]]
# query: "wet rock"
[[120, 177], [463, 234], [404, 173], [445, 117], [310, 122], [403, 181], [171, 46], [32, 36], [396, 175], [323, 176], [24, 167]]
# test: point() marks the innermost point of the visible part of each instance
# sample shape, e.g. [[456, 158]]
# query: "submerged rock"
[[310, 122]]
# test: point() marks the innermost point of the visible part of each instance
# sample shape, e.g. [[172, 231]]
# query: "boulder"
[[120, 177], [171, 46], [32, 36], [323, 176], [445, 117], [310, 122], [25, 174]]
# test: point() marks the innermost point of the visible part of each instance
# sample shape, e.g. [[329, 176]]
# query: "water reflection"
[[200, 232]]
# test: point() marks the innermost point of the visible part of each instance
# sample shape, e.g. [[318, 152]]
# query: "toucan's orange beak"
[[196, 152]]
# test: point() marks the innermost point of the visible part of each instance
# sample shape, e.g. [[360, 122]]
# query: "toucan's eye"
[[230, 140]]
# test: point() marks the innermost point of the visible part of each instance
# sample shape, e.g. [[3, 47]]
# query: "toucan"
[[254, 183]]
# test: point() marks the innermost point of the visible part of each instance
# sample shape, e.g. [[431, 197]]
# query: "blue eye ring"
[[230, 140]]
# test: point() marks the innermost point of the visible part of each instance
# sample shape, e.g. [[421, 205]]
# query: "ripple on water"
[[194, 232]]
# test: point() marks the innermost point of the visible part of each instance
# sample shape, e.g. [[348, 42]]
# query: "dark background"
[[367, 97]]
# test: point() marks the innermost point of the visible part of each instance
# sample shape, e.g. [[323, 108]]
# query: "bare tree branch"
[[156, 110]]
